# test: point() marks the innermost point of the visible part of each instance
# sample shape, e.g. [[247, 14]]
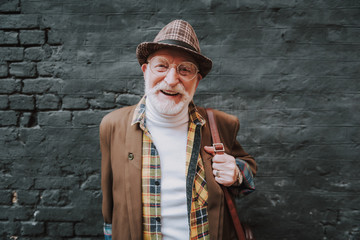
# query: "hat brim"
[[145, 49]]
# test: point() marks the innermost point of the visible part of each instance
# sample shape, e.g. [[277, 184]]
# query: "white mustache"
[[165, 87]]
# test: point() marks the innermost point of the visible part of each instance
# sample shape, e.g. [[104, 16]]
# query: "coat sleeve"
[[228, 127], [106, 171], [246, 164]]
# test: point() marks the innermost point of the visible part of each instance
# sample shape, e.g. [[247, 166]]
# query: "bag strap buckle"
[[218, 147]]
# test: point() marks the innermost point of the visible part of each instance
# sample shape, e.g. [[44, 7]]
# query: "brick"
[[55, 37], [10, 6], [105, 101], [37, 237], [54, 198], [54, 118], [59, 214], [67, 20], [87, 118], [23, 69], [34, 54], [82, 135], [103, 54], [85, 229], [47, 102], [8, 118], [42, 85], [55, 69], [21, 102], [5, 197], [118, 85], [94, 38], [72, 102], [54, 53], [116, 69], [32, 228], [4, 101], [15, 213], [10, 229], [26, 197], [133, 86], [42, 7], [19, 21], [92, 183], [11, 53], [36, 135], [19, 182], [127, 99], [84, 73], [31, 37], [3, 70], [8, 37], [56, 182], [60, 229], [9, 86]]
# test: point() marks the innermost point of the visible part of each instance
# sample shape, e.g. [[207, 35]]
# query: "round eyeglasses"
[[160, 66]]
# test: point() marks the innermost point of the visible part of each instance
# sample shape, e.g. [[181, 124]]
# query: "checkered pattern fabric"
[[248, 185], [151, 180], [198, 214], [151, 197], [107, 231], [179, 30]]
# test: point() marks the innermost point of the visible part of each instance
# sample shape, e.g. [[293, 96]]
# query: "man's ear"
[[144, 67]]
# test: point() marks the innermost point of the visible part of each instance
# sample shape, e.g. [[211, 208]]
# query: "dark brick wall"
[[288, 69]]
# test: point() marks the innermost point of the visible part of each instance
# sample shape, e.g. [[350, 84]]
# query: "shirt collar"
[[139, 114]]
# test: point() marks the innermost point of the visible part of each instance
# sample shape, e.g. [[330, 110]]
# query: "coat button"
[[131, 156]]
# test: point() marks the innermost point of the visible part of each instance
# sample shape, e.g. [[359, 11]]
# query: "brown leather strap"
[[232, 209], [217, 148]]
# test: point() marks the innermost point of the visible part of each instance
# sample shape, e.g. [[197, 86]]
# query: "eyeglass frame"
[[177, 70]]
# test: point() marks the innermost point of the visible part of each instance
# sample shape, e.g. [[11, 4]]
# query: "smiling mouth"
[[169, 93]]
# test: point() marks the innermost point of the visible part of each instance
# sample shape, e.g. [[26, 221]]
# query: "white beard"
[[167, 107]]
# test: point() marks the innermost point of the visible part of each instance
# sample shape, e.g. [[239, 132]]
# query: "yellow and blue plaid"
[[197, 194]]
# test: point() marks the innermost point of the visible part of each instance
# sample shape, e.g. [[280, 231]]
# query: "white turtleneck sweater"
[[169, 135]]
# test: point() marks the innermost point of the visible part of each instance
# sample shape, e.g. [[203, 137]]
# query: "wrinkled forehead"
[[173, 55]]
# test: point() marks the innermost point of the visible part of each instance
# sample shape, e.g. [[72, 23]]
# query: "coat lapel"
[[216, 199], [133, 178]]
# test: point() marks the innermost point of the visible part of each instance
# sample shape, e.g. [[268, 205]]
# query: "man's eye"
[[161, 67], [184, 69]]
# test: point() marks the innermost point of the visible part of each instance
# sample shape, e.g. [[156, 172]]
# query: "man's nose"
[[172, 77]]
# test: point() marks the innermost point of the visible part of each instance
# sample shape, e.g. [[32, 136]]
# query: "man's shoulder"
[[228, 125], [220, 115], [120, 115]]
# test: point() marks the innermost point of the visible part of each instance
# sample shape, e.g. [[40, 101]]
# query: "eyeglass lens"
[[160, 66]]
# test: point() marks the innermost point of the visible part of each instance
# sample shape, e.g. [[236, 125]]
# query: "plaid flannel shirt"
[[196, 189]]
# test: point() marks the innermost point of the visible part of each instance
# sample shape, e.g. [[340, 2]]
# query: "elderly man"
[[160, 177]]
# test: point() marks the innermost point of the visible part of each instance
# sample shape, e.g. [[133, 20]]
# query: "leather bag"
[[243, 231]]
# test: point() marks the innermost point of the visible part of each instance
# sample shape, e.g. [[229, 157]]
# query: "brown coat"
[[121, 173]]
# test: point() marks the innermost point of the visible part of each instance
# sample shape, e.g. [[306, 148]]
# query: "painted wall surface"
[[289, 70]]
